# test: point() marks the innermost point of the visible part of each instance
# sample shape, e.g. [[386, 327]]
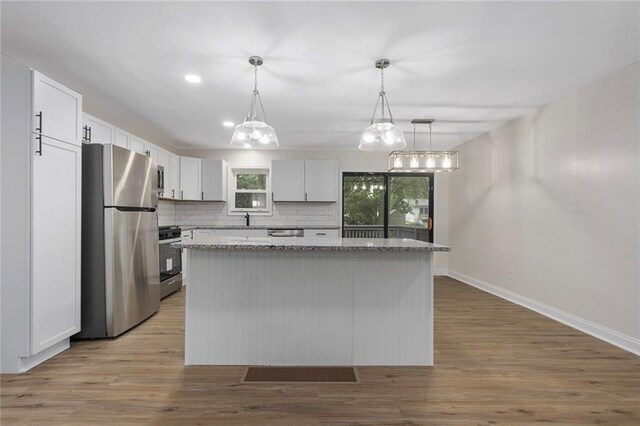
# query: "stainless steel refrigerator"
[[120, 269]]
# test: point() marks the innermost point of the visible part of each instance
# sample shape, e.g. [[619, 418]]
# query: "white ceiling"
[[471, 66]]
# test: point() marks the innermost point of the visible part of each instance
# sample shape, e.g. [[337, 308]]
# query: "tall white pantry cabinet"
[[41, 178]]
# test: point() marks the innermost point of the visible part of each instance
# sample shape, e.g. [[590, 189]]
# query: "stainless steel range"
[[170, 260]]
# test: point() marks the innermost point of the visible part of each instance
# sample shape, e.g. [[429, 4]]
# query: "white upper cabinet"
[[95, 130], [190, 176], [144, 147], [56, 111], [137, 145], [304, 180], [287, 180], [320, 180], [151, 150], [214, 180], [171, 164], [172, 183], [122, 138], [56, 220]]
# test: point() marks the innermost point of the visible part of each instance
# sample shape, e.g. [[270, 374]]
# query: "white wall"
[[554, 197]]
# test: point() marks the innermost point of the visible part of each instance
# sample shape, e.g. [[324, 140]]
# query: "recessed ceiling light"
[[228, 123], [192, 78]]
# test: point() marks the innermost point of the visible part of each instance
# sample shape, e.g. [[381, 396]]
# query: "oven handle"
[[173, 240]]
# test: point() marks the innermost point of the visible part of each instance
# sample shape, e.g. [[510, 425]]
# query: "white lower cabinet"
[[55, 262], [322, 233], [241, 232]]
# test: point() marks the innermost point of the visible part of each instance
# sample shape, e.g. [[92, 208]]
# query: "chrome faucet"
[[247, 217]]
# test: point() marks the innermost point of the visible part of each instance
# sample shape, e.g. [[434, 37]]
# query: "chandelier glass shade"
[[430, 161], [382, 134], [254, 132]]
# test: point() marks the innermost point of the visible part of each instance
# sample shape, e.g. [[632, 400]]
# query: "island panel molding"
[[264, 306]]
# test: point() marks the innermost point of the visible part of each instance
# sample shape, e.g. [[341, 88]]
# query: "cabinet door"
[[190, 178], [122, 138], [204, 233], [320, 180], [151, 150], [137, 145], [322, 233], [214, 180], [174, 178], [242, 233], [57, 110], [55, 280], [95, 130], [287, 180]]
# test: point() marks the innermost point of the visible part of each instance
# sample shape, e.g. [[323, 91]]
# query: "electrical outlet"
[[511, 274]]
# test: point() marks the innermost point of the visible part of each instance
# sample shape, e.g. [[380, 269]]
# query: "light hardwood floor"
[[495, 363]]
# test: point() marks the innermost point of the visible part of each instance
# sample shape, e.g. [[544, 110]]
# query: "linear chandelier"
[[254, 132], [382, 134], [423, 161]]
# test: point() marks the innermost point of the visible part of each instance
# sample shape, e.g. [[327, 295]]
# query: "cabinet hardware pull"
[[39, 150], [39, 126], [173, 193], [305, 196], [202, 196], [181, 194], [321, 233], [272, 196], [89, 131]]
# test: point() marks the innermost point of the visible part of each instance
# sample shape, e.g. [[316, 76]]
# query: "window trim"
[[233, 172]]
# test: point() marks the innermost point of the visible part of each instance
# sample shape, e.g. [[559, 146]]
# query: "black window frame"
[[386, 176]]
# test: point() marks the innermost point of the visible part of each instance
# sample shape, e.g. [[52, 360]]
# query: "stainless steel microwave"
[[160, 181]]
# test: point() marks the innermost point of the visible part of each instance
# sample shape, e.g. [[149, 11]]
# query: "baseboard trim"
[[622, 341], [442, 271], [27, 363]]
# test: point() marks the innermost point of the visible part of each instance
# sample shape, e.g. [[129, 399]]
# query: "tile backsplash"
[[215, 213]]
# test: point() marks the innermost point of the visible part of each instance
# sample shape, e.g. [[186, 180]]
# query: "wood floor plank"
[[495, 363]]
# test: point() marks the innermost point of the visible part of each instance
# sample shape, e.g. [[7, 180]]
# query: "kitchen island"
[[304, 301]]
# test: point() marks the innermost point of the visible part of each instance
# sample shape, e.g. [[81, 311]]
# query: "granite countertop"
[[309, 244], [190, 227]]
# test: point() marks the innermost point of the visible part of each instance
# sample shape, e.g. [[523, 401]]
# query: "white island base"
[[286, 308]]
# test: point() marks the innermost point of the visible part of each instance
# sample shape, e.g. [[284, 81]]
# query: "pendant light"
[[254, 132], [382, 134], [423, 161]]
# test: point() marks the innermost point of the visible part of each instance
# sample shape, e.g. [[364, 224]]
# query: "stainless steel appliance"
[[160, 181], [286, 232], [170, 260], [120, 274]]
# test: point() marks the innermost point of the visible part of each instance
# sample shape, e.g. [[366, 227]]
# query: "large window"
[[248, 191]]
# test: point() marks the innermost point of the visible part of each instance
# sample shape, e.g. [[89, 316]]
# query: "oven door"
[[170, 259]]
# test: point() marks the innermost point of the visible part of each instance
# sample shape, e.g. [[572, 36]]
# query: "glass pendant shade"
[[424, 161], [382, 136], [254, 132]]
